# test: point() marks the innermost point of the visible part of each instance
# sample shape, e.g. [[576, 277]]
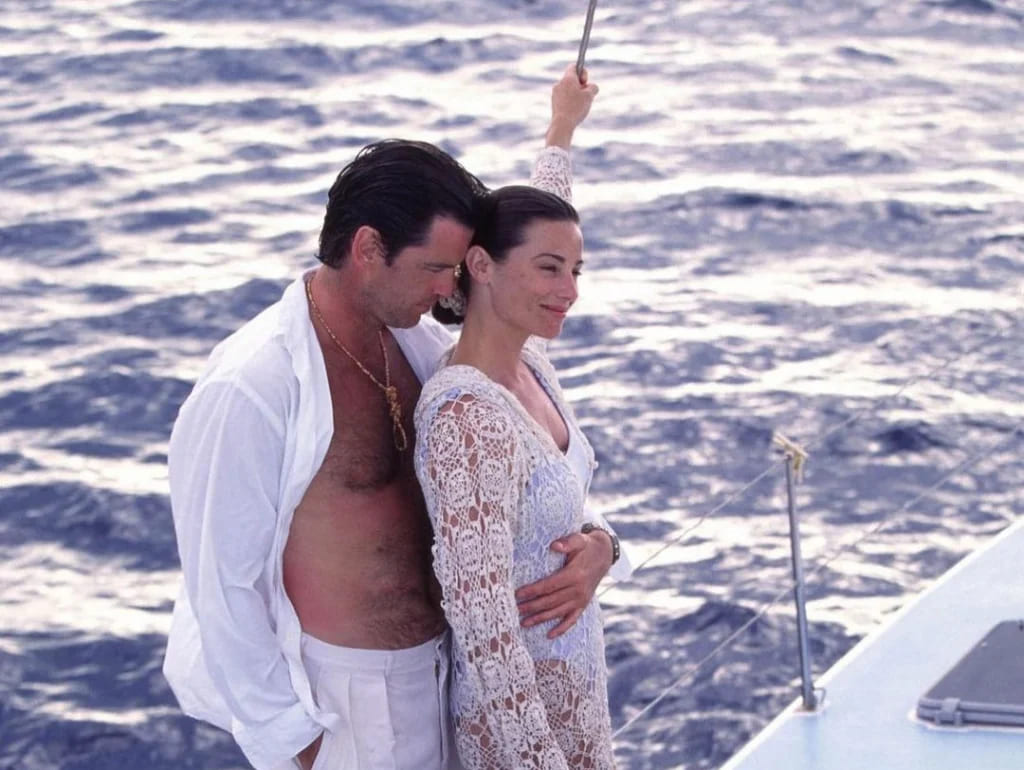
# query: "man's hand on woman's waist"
[[566, 593]]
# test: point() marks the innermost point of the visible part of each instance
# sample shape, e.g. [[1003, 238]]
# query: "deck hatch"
[[986, 686]]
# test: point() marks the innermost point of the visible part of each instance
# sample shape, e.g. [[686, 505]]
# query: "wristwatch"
[[616, 551]]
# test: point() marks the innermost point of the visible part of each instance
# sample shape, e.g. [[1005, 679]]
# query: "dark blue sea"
[[791, 208]]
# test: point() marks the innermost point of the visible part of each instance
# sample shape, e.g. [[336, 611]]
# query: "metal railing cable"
[[839, 551], [886, 521], [693, 668], [817, 441], [927, 375], [678, 538]]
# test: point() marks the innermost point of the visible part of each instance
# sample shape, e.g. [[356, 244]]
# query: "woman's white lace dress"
[[499, 491]]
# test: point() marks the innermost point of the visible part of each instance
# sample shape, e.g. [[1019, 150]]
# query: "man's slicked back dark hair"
[[504, 216], [397, 187]]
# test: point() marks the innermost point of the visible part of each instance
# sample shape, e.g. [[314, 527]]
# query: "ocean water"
[[791, 209]]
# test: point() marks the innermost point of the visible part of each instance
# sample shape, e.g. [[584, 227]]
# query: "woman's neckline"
[[510, 395]]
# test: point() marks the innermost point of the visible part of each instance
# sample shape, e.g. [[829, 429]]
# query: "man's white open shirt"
[[245, 447]]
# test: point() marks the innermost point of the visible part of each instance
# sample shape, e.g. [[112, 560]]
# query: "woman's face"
[[534, 287]]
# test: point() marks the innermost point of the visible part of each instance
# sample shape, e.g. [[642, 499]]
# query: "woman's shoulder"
[[458, 384]]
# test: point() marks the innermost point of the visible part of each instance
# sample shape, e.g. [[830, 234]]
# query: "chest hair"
[[362, 455]]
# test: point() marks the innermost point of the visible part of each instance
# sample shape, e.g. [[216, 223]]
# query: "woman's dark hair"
[[397, 187], [504, 215]]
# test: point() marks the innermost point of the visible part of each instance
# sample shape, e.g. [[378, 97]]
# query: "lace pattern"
[[498, 491], [553, 172]]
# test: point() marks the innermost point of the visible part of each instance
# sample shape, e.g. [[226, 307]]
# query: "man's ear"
[[479, 264], [367, 246]]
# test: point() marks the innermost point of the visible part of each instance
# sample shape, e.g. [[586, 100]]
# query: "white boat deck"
[[868, 716]]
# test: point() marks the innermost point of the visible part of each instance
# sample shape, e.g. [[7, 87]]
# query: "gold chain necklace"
[[390, 391]]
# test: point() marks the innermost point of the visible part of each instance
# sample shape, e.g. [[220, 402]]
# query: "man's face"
[[420, 275]]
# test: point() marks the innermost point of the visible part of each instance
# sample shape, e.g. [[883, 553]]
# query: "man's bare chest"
[[364, 451]]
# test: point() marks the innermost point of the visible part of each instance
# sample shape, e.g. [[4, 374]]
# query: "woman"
[[505, 470]]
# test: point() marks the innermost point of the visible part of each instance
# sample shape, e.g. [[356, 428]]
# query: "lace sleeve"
[[472, 475], [553, 172]]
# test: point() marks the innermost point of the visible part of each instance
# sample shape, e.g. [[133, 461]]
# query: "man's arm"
[[622, 564], [225, 460]]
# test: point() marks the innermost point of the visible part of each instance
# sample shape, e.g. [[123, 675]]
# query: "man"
[[310, 624]]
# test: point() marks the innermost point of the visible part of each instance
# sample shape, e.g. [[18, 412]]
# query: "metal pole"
[[586, 37], [807, 686]]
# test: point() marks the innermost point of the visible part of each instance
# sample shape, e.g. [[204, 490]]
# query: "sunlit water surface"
[[790, 210]]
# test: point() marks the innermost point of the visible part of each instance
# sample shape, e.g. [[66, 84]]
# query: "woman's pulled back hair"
[[398, 187], [504, 215]]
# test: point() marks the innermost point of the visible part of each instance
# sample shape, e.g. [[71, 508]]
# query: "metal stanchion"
[[585, 40], [795, 457]]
